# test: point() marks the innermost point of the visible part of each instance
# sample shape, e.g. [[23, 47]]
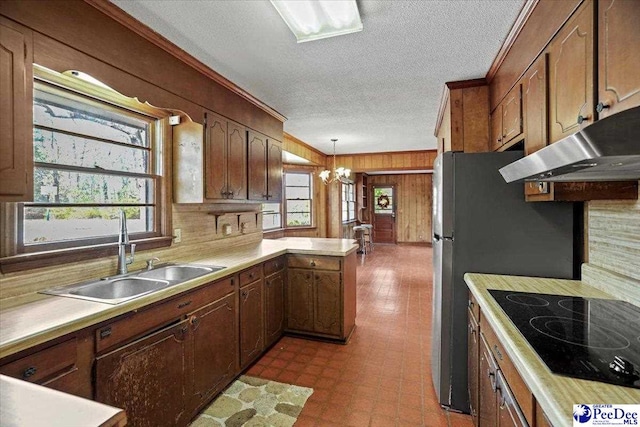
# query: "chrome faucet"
[[123, 241]]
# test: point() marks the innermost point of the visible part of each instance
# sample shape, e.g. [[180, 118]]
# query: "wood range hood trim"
[[117, 14]]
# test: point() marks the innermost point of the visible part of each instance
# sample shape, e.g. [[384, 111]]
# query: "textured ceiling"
[[376, 90]]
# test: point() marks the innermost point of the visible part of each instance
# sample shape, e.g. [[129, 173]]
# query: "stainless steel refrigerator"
[[482, 224]]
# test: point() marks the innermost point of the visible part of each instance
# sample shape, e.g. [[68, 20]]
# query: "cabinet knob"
[[317, 277], [244, 294], [601, 106], [184, 304], [582, 119], [312, 263], [29, 372]]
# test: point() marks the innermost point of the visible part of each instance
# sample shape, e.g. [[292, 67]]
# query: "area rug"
[[254, 402]]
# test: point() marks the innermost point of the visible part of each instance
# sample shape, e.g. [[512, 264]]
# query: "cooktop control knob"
[[621, 366]]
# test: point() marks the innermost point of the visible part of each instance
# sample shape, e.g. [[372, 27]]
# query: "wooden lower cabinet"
[[273, 308], [473, 368], [321, 296], [214, 348], [148, 378], [487, 403], [251, 322]]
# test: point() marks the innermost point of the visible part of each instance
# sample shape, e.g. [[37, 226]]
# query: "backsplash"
[[614, 248], [199, 236]]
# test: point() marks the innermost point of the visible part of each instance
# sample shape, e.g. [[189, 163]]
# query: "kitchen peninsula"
[[246, 307]]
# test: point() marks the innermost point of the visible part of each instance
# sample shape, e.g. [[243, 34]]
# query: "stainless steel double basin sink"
[[114, 290]]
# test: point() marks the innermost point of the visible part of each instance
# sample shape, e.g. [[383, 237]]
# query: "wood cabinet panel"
[[44, 364], [274, 307], [236, 161], [571, 84], [215, 348], [487, 404], [496, 129], [251, 322], [327, 302], [251, 275], [148, 378], [535, 106], [618, 55], [509, 414], [318, 262], [16, 110], [299, 303], [473, 368], [512, 115], [215, 149], [225, 159], [274, 265], [274, 170], [257, 163]]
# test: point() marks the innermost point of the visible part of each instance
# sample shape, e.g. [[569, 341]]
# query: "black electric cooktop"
[[588, 338]]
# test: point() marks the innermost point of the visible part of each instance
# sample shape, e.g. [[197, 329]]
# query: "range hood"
[[607, 150]]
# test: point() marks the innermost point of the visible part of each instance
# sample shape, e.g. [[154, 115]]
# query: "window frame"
[[17, 256], [311, 199], [349, 194]]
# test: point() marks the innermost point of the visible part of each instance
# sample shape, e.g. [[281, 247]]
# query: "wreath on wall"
[[383, 201]]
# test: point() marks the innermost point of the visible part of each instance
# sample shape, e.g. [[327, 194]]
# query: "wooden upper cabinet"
[[16, 110], [257, 152], [571, 84], [265, 167], [236, 161], [463, 119], [274, 171], [225, 159], [534, 88], [618, 56], [512, 128], [496, 129]]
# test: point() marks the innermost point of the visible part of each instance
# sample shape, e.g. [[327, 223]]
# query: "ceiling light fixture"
[[339, 174], [318, 19]]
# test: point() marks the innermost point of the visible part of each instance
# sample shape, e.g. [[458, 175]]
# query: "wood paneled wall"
[[398, 160], [295, 146], [413, 210]]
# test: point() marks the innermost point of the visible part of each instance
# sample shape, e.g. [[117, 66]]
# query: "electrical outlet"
[[177, 235]]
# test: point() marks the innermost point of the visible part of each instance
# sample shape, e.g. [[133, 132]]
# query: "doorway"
[[384, 214]]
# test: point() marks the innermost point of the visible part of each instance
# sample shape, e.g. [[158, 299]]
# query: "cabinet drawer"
[[273, 265], [251, 275], [146, 320], [318, 263], [44, 364], [519, 389]]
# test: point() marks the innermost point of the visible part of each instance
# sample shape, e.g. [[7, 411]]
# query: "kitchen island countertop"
[[556, 394], [33, 319]]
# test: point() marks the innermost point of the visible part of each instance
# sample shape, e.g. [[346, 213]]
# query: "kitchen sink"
[[179, 273], [114, 290]]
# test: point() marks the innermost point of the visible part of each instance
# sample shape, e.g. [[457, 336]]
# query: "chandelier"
[[339, 174]]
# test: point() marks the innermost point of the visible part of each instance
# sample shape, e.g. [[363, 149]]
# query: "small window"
[[348, 202], [271, 216], [298, 194]]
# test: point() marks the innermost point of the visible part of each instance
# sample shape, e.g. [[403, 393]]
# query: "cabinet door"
[[237, 161], [496, 129], [512, 114], [274, 171], [299, 300], [257, 163], [274, 307], [571, 89], [148, 378], [472, 365], [327, 301], [16, 110], [215, 349], [216, 157], [618, 55], [487, 405], [509, 414], [251, 322]]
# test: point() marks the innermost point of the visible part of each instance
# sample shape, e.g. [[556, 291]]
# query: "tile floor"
[[383, 376]]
